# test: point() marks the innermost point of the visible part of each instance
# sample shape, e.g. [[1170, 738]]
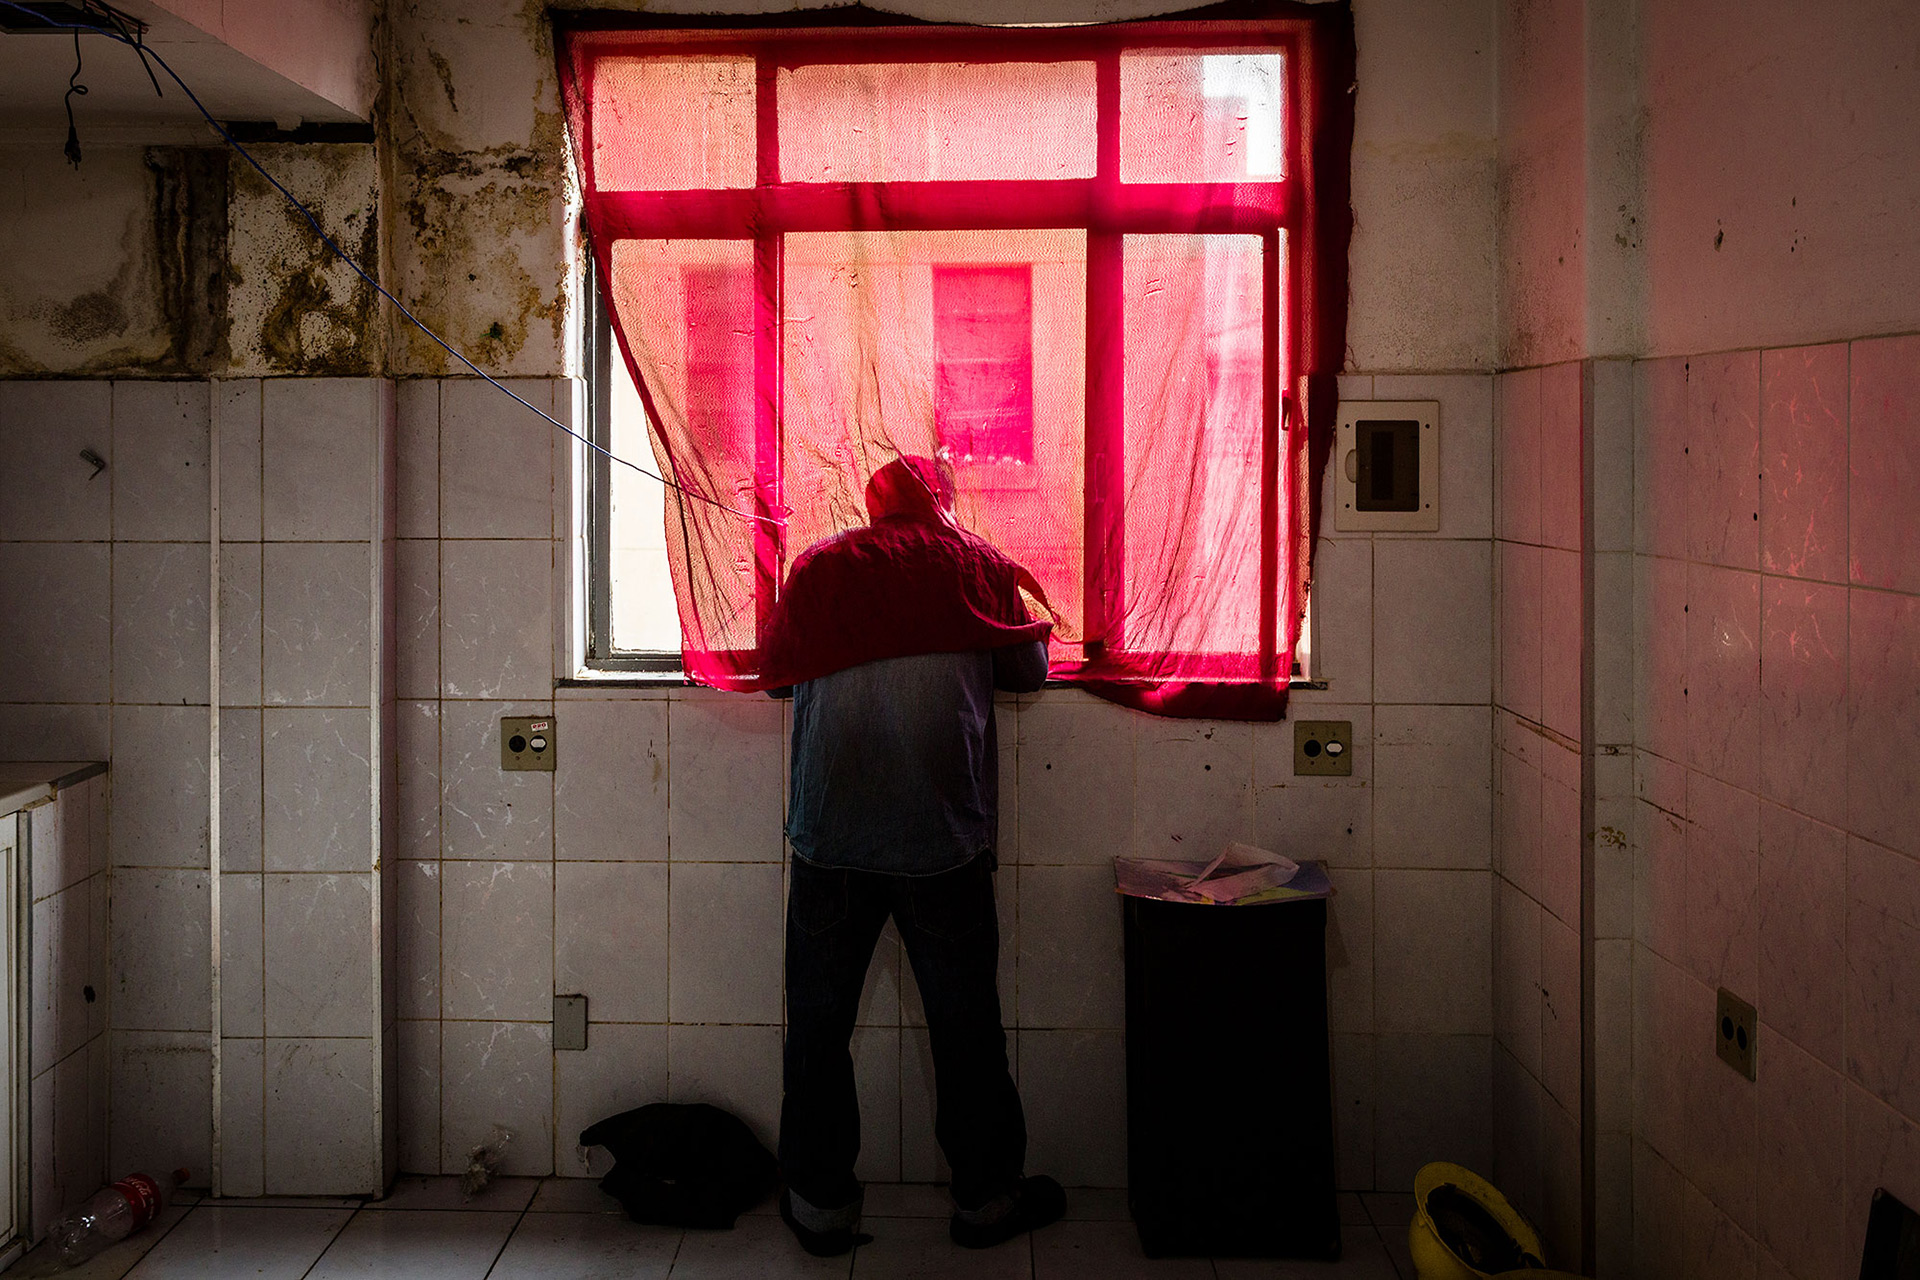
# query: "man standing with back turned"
[[894, 636]]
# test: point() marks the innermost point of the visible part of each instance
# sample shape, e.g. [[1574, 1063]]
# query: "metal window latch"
[[93, 460]]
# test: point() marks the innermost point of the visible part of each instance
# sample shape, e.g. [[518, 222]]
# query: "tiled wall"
[[68, 986], [305, 713], [1563, 777], [106, 636], [646, 872], [1778, 761]]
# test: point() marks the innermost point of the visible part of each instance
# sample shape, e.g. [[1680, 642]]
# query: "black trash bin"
[[1229, 1089]]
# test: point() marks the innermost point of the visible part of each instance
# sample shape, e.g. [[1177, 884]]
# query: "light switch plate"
[[569, 1022], [526, 743], [1734, 1025], [1323, 748]]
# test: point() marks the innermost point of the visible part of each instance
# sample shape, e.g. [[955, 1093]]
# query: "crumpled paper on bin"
[[1240, 872]]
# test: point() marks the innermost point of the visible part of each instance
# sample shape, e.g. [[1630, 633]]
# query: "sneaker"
[[821, 1244], [1036, 1202]]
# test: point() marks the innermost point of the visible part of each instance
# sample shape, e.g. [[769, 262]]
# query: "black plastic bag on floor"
[[683, 1164]]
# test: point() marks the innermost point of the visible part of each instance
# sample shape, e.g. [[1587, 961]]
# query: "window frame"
[[1286, 266]]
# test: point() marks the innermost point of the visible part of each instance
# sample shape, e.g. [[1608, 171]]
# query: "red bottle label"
[[142, 1196]]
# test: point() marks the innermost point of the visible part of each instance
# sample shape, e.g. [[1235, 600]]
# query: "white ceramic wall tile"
[[497, 941], [1192, 788], [1803, 688], [63, 839], [319, 1118], [417, 458], [417, 1097], [316, 624], [1723, 878], [236, 423], [1466, 444], [496, 474], [417, 963], [737, 1068], [1353, 1105], [317, 788], [63, 968], [1432, 951], [1070, 972], [1517, 1022], [159, 471], [1884, 463], [1562, 621], [1803, 973], [319, 955], [1517, 804], [1883, 1150], [876, 1075], [1561, 832], [1723, 674], [622, 1067], [1723, 471], [417, 786], [728, 792], [1077, 778], [240, 800], [1883, 718], [46, 489], [1561, 448], [1343, 610], [318, 437], [1350, 952], [1661, 495], [1660, 643], [242, 1117], [726, 940], [416, 620], [1802, 1207], [44, 1186], [54, 731], [241, 589], [160, 622], [495, 629], [161, 917], [1613, 652], [1073, 1087], [610, 782], [243, 957], [1435, 1092], [56, 626], [162, 1090], [1517, 454], [485, 812], [1324, 819], [1883, 965], [1803, 462], [1432, 623], [1433, 787], [610, 943], [497, 1073], [1610, 485], [1520, 667], [1560, 1004], [1613, 1035], [80, 1124]]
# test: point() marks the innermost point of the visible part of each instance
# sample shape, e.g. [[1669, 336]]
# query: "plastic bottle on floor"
[[113, 1213]]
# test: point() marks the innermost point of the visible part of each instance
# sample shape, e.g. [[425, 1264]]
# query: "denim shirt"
[[896, 766]]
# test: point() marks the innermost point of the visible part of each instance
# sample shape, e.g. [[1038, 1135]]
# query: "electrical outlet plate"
[[526, 743], [1323, 748], [1734, 1025], [569, 1022]]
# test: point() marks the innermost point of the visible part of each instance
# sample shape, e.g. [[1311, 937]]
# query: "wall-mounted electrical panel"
[[1386, 462]]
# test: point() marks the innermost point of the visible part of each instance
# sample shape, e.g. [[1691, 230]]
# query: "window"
[[1083, 266]]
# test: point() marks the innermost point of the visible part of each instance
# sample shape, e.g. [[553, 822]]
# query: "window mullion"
[[1104, 549]]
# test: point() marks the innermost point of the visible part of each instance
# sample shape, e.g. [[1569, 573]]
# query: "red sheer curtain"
[[1101, 271]]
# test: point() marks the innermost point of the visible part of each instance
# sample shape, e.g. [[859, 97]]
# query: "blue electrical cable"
[[145, 52]]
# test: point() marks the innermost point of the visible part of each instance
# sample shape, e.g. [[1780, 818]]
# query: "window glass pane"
[[673, 124], [642, 614], [921, 122], [1202, 117], [1193, 396], [871, 321], [686, 310]]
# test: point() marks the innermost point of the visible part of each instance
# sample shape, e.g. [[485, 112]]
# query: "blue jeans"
[[952, 937]]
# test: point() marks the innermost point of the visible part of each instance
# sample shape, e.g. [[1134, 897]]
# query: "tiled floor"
[[566, 1229]]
